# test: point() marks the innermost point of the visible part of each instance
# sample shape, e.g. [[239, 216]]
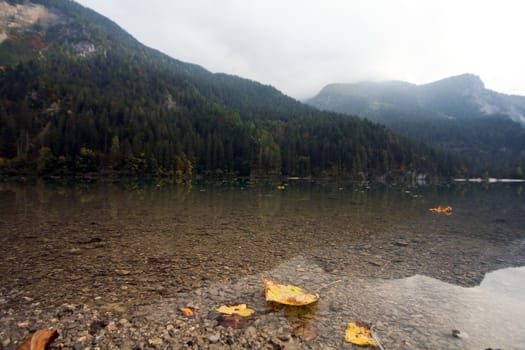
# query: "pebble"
[[155, 341], [456, 333], [24, 324], [213, 339], [284, 337], [250, 332]]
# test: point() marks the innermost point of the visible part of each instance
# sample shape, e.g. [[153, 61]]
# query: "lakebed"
[[109, 265]]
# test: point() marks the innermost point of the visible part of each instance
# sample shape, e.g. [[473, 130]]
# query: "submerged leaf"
[[306, 331], [39, 340], [288, 295], [442, 210], [240, 310], [359, 333], [234, 321]]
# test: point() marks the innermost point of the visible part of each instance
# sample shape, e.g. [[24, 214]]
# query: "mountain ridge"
[[456, 114], [83, 96], [467, 89]]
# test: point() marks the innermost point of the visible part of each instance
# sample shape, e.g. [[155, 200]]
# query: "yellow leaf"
[[288, 295], [240, 310], [359, 334]]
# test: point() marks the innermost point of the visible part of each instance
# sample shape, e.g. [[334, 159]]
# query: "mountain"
[[456, 114], [80, 95], [462, 96]]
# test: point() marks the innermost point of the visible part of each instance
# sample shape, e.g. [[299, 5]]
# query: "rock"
[[114, 308], [82, 339], [284, 337], [23, 324], [125, 323], [111, 327], [96, 326], [155, 341], [128, 345], [456, 333], [250, 332], [213, 339], [335, 306], [6, 342]]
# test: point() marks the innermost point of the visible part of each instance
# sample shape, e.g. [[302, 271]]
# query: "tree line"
[[126, 109]]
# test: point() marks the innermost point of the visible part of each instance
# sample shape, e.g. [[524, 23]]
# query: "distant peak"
[[461, 81]]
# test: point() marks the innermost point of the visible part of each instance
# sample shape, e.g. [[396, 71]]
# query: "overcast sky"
[[299, 46]]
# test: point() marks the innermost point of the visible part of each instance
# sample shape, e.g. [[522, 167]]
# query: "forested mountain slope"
[[456, 114], [78, 95]]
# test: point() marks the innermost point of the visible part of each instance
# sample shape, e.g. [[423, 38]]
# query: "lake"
[[372, 252]]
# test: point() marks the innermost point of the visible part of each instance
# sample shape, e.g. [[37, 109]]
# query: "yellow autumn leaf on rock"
[[359, 334], [288, 295], [240, 310]]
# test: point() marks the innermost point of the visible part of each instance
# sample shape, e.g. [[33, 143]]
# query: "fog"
[[299, 46]]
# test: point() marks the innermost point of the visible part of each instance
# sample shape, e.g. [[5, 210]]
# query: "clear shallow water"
[[379, 253]]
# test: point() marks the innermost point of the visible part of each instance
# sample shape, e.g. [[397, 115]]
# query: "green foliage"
[[130, 109], [86, 160], [46, 162]]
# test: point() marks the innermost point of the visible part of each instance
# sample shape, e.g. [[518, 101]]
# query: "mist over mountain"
[[80, 95], [462, 96], [457, 114]]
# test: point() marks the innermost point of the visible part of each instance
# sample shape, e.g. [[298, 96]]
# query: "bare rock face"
[[33, 19], [23, 16]]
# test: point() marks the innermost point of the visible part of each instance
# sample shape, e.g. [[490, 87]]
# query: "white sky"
[[299, 46]]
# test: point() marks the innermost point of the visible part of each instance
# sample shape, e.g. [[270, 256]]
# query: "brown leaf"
[[234, 321], [187, 311], [447, 210], [39, 340]]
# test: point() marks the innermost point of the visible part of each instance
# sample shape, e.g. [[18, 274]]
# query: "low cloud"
[[299, 46]]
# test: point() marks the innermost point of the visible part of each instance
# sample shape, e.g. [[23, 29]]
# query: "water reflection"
[[489, 315], [417, 312]]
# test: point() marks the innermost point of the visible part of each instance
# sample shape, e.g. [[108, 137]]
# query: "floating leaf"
[[442, 210], [288, 295], [240, 310], [359, 333], [39, 340], [187, 311]]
